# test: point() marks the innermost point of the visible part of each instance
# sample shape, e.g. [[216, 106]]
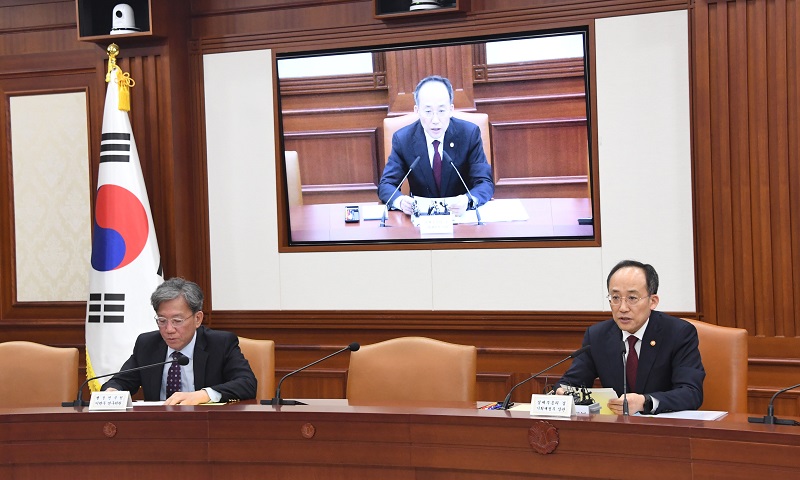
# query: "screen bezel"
[[284, 226]]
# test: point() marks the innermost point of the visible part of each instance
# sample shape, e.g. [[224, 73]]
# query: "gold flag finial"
[[113, 51], [124, 80]]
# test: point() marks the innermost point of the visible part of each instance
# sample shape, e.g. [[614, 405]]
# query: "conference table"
[[332, 439], [546, 218]]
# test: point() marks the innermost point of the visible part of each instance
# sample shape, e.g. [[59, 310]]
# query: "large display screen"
[[518, 143]]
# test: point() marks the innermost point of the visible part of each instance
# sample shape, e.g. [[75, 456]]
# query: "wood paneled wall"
[[745, 106], [747, 179], [537, 116]]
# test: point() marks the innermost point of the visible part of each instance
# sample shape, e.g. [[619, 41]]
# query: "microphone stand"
[[507, 402], [770, 418], [469, 193], [625, 410], [79, 401], [391, 197], [277, 400]]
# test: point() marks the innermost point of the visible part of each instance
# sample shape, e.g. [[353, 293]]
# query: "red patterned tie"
[[437, 165], [632, 364], [174, 375]]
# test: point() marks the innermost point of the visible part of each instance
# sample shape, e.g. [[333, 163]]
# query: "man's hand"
[[458, 205], [188, 398], [407, 204], [110, 389], [635, 404]]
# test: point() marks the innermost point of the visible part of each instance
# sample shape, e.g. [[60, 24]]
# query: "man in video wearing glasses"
[[657, 354], [209, 365], [437, 139]]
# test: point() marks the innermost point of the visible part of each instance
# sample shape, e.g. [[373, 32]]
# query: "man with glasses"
[[659, 353], [436, 138], [216, 370]]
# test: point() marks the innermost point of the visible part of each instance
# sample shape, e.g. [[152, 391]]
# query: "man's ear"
[[653, 301]]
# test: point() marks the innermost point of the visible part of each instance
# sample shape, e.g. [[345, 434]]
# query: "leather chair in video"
[[261, 356], [36, 375], [412, 369], [724, 354], [294, 184]]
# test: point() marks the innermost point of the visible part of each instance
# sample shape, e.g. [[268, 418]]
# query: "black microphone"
[[574, 354], [769, 418], [625, 410], [469, 193], [183, 360], [386, 207], [353, 347]]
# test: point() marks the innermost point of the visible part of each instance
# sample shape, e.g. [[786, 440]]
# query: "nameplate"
[[552, 406], [435, 225], [105, 401]]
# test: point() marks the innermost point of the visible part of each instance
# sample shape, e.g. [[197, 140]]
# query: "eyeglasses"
[[176, 321], [630, 299], [429, 112]]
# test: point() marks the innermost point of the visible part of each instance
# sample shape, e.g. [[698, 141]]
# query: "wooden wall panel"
[[747, 177], [746, 142], [537, 114]]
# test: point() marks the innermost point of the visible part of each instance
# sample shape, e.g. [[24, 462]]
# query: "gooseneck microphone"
[[353, 347], [469, 193], [391, 197], [770, 418], [574, 354], [183, 360], [625, 410]]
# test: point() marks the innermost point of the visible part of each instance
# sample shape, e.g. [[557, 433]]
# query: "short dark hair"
[[433, 78], [176, 287], [650, 274]]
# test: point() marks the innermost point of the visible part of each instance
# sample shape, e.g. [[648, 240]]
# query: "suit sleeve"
[[130, 381], [687, 374], [238, 381], [396, 168], [583, 371], [479, 171]]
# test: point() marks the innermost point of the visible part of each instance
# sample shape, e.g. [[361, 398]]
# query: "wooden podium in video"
[[363, 442], [548, 218]]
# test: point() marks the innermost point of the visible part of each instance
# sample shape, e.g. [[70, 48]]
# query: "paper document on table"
[[372, 212], [602, 396], [502, 210], [692, 415]]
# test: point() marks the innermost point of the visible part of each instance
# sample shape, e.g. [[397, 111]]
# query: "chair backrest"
[[36, 375], [261, 356], [724, 354], [412, 369], [393, 124], [294, 184]]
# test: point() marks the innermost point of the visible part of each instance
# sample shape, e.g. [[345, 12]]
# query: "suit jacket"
[[670, 368], [461, 142], [218, 363]]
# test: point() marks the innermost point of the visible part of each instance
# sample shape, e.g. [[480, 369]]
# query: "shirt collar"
[[188, 350], [639, 334]]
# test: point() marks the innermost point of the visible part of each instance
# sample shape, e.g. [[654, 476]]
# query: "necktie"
[[437, 165], [174, 375], [632, 364]]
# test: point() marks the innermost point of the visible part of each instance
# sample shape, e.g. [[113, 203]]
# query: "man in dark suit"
[[669, 375], [436, 138], [217, 370]]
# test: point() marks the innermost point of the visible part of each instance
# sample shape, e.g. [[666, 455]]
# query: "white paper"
[[691, 415], [372, 212]]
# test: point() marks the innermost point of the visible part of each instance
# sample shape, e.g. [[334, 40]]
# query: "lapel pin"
[[652, 343], [452, 144]]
